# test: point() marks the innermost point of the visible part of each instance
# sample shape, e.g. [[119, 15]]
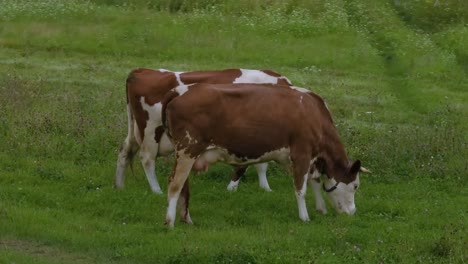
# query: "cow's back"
[[234, 76]]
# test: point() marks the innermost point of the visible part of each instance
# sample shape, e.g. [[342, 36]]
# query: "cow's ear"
[[321, 165], [355, 167]]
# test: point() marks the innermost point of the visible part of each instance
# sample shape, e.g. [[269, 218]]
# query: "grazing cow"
[[243, 124], [146, 89]]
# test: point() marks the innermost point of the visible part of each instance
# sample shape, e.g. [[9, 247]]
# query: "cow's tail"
[[131, 125], [165, 102]]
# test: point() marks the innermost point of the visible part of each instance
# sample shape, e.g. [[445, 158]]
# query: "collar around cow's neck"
[[331, 188]]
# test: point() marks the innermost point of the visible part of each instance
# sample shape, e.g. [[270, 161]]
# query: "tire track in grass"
[[43, 252], [410, 58], [442, 21]]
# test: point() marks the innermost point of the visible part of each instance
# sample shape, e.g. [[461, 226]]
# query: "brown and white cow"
[[243, 124], [146, 89]]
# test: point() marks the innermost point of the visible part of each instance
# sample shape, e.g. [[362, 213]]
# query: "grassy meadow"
[[394, 75]]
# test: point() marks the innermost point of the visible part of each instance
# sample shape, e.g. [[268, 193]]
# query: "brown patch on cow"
[[319, 165], [272, 73], [224, 76], [222, 134], [159, 131]]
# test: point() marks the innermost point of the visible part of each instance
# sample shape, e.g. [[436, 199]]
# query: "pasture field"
[[394, 75]]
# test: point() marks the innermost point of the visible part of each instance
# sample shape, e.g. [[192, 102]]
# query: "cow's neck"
[[335, 157]]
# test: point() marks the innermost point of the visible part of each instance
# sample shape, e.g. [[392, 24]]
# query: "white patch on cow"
[[343, 196], [255, 76], [281, 155], [163, 70], [262, 178], [177, 75], [154, 112], [312, 161], [301, 204], [233, 185], [181, 89], [190, 139], [302, 90], [315, 175], [329, 183], [214, 154], [300, 100], [211, 146]]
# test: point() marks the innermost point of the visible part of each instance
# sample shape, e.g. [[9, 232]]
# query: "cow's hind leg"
[[180, 174], [262, 179], [148, 152], [184, 203], [184, 198], [238, 173]]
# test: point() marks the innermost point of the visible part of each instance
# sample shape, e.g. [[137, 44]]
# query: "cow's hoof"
[[321, 211], [169, 223], [233, 186], [158, 191]]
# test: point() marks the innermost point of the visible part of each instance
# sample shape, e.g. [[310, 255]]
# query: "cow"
[[243, 124], [145, 89]]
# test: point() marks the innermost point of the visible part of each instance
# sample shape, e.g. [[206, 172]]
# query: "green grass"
[[395, 84]]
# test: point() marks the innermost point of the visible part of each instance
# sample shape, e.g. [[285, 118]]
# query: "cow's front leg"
[[317, 189], [301, 174], [180, 174], [300, 197]]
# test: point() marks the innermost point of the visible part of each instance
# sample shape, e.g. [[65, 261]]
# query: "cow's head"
[[340, 184]]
